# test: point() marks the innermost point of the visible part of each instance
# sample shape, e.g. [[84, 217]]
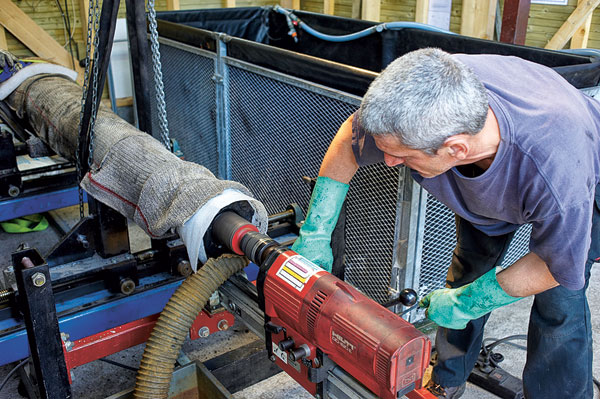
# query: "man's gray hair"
[[423, 98]]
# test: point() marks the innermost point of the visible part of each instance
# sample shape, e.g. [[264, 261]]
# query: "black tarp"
[[260, 36]]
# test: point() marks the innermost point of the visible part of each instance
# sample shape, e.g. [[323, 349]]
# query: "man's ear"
[[457, 146]]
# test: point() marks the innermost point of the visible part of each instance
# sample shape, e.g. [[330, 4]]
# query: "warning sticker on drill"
[[296, 271]]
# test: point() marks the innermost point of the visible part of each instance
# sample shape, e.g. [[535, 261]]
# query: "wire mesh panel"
[[370, 228], [191, 104], [279, 133], [439, 240]]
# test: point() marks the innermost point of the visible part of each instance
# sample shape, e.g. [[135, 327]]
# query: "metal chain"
[[158, 77], [92, 13], [94, 111]]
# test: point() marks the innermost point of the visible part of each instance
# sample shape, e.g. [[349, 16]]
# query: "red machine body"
[[317, 310]]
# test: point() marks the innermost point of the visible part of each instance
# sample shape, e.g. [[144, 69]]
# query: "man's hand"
[[454, 308], [314, 241], [8, 60]]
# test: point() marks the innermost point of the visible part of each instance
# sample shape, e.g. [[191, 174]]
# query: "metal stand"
[[37, 304]]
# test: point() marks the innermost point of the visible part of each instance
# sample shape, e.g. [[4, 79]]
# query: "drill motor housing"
[[312, 316]]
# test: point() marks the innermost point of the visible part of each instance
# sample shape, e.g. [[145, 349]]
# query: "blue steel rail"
[[43, 202], [94, 319]]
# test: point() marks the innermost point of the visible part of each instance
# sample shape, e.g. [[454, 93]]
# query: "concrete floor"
[[98, 379]]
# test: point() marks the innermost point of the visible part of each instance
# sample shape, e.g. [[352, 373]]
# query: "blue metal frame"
[[27, 205], [100, 318], [93, 320]]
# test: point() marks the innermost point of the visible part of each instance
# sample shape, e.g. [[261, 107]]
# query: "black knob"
[[299, 353], [286, 344], [408, 297]]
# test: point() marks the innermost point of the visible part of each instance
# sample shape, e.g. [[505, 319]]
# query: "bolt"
[[222, 325], [69, 345], [13, 191], [272, 358], [39, 279], [204, 332], [184, 268], [83, 241], [64, 336], [317, 362], [127, 286], [232, 306], [317, 396]]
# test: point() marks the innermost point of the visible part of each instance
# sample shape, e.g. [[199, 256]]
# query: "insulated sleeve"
[[363, 145]]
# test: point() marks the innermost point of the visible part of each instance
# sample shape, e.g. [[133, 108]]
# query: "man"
[[502, 142]]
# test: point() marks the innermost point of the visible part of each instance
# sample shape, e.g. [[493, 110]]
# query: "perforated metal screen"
[[440, 239]]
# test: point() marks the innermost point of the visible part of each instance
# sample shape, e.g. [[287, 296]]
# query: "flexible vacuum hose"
[[156, 369]]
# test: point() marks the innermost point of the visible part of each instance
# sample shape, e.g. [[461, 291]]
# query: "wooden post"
[[575, 20], [514, 21], [173, 5], [422, 11], [293, 4], [371, 10], [356, 8], [478, 18], [84, 6], [3, 43], [328, 7], [581, 35], [34, 37]]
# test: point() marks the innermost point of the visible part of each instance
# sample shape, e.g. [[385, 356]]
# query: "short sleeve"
[[363, 145], [563, 241]]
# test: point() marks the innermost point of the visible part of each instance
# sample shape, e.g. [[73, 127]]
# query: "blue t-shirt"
[[544, 173]]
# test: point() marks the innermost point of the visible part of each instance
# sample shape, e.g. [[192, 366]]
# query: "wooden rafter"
[[575, 20], [34, 37], [582, 34], [231, 3]]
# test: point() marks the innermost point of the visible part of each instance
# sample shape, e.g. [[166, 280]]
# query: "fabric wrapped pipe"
[[131, 171]]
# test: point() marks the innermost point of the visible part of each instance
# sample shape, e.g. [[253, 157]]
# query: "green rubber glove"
[[454, 308], [314, 241]]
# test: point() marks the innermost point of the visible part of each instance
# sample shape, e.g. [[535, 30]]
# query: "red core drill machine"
[[320, 329]]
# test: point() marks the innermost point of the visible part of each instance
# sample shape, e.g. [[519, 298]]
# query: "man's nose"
[[391, 160]]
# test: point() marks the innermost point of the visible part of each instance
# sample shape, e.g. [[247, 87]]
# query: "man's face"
[[395, 153]]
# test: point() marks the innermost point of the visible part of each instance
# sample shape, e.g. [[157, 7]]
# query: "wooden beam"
[[293, 4], [3, 43], [422, 11], [371, 10], [575, 20], [328, 7], [478, 18], [33, 36], [173, 5], [514, 21], [231, 4], [581, 35]]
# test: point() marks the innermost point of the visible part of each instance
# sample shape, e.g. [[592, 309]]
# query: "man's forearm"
[[527, 276], [339, 162]]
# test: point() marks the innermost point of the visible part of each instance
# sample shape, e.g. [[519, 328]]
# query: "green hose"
[[162, 348]]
